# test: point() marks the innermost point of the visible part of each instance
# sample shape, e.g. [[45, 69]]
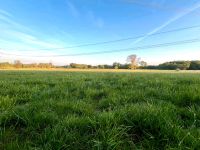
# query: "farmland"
[[99, 110]]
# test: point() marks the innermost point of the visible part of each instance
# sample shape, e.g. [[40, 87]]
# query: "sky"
[[32, 28]]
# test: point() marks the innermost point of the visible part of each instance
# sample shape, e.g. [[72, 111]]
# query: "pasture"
[[99, 110]]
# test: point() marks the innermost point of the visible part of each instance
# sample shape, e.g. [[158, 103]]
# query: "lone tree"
[[132, 59], [135, 62]]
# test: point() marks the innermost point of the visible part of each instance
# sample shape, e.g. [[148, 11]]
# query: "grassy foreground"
[[87, 110]]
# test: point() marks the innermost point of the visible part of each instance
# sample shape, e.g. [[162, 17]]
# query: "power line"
[[124, 39], [129, 38], [119, 50]]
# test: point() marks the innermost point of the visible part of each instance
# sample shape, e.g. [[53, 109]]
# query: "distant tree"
[[143, 63], [125, 66], [17, 64], [182, 65], [194, 65], [100, 66], [72, 65], [34, 65], [80, 66], [167, 66], [108, 66], [116, 65], [65, 66], [5, 65], [89, 66], [150, 67], [132, 59], [45, 65]]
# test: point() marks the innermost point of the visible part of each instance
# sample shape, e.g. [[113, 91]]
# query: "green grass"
[[80, 110]]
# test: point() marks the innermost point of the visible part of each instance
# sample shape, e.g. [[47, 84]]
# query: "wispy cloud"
[[99, 22], [168, 22], [3, 12], [73, 10], [13, 32], [7, 18], [18, 39], [96, 21]]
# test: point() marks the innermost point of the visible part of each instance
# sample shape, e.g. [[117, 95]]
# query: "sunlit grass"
[[100, 70], [104, 110]]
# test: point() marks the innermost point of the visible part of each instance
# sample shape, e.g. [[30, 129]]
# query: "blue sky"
[[32, 27]]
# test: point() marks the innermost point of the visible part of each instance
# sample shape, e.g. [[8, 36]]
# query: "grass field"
[[104, 110]]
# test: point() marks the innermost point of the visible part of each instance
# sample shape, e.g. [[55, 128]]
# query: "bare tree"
[[133, 60]]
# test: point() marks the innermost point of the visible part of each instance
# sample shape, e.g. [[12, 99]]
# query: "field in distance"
[[99, 70], [104, 110]]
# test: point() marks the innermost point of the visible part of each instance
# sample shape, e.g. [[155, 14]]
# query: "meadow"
[[99, 110]]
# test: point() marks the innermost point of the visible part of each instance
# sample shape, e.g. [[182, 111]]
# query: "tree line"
[[18, 64], [115, 65], [132, 63], [177, 65], [173, 65]]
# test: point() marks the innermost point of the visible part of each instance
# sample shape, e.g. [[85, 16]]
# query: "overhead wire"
[[124, 39], [116, 50]]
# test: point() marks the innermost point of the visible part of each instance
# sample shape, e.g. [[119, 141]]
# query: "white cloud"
[[168, 22], [96, 21], [3, 12], [15, 35], [73, 10], [99, 22]]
